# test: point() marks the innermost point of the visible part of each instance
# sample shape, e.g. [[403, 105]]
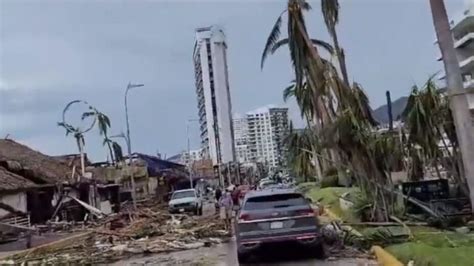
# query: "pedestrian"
[[226, 209], [218, 194]]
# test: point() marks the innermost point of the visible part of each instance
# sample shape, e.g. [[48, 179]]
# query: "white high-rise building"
[[241, 138], [267, 129], [462, 26], [213, 95]]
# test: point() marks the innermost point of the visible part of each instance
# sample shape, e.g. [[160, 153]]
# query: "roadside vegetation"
[[433, 247]]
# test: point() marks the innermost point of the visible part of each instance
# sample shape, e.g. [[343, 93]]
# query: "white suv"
[[186, 200]]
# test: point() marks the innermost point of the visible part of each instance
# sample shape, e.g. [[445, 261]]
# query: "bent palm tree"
[[330, 10], [300, 161], [103, 123]]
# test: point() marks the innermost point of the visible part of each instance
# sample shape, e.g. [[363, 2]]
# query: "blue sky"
[[52, 52]]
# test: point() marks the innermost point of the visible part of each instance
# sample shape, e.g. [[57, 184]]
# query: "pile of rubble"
[[128, 233]]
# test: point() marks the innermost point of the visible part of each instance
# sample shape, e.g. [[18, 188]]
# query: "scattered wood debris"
[[149, 229]]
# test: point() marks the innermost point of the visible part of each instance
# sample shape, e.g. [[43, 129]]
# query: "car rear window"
[[274, 201]]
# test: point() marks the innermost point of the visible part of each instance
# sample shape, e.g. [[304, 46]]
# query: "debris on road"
[[149, 229]]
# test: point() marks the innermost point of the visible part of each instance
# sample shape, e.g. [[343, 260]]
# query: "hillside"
[[381, 115]]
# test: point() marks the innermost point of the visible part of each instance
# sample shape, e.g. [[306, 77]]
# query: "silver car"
[[272, 216]]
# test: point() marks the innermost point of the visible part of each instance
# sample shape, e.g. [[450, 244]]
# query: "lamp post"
[[127, 139], [188, 143]]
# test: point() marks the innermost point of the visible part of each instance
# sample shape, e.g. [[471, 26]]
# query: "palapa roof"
[[73, 160], [13, 182], [32, 164]]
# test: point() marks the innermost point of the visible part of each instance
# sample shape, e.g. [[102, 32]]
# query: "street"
[[225, 254]]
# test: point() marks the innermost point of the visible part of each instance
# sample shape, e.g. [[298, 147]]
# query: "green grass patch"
[[436, 248], [330, 197]]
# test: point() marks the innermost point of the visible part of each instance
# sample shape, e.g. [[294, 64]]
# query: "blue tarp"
[[157, 166]]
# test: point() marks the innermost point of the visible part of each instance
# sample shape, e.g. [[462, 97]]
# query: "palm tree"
[[330, 10], [428, 119], [103, 123], [301, 161], [77, 132], [458, 102], [307, 64]]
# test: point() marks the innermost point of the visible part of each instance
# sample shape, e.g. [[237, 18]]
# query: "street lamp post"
[[189, 150], [129, 145]]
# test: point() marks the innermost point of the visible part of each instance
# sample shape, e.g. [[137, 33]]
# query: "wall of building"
[[212, 85], [267, 128], [16, 201]]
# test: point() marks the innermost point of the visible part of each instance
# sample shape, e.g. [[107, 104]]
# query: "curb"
[[384, 258]]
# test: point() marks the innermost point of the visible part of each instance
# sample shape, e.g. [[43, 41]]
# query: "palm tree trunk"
[[458, 101], [340, 57], [80, 146], [317, 163], [112, 157]]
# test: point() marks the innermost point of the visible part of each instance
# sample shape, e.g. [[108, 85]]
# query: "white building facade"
[[213, 95], [241, 131], [267, 129], [462, 27]]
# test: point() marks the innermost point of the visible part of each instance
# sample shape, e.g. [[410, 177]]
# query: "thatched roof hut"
[[38, 167], [10, 182], [73, 160]]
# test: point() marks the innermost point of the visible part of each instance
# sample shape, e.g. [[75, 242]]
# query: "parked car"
[[186, 200], [243, 189], [280, 216], [265, 183]]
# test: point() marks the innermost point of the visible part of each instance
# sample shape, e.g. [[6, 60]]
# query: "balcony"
[[469, 84], [465, 41], [463, 21], [467, 64]]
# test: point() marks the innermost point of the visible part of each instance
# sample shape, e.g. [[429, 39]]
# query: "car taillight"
[[306, 212], [244, 217]]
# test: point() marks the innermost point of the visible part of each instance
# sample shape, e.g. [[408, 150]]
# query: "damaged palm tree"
[[430, 124], [300, 161], [103, 123], [339, 114], [77, 132]]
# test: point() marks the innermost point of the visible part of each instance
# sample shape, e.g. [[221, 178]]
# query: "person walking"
[[218, 195], [226, 209]]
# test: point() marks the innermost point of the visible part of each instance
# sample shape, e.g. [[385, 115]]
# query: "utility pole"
[[129, 144], [189, 151], [389, 111], [458, 96]]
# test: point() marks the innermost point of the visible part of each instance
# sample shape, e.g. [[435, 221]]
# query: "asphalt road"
[[225, 254]]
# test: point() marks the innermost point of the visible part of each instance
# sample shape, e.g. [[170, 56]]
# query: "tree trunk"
[[112, 157], [458, 101], [340, 57]]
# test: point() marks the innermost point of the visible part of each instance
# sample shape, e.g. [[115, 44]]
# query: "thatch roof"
[[32, 164], [13, 182], [73, 160]]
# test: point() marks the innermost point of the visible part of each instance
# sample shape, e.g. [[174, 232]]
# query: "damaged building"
[[42, 187]]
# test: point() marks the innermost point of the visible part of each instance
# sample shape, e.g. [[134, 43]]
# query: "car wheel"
[[243, 258], [317, 251]]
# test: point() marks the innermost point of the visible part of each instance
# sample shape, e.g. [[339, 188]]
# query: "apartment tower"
[[213, 95], [267, 129]]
